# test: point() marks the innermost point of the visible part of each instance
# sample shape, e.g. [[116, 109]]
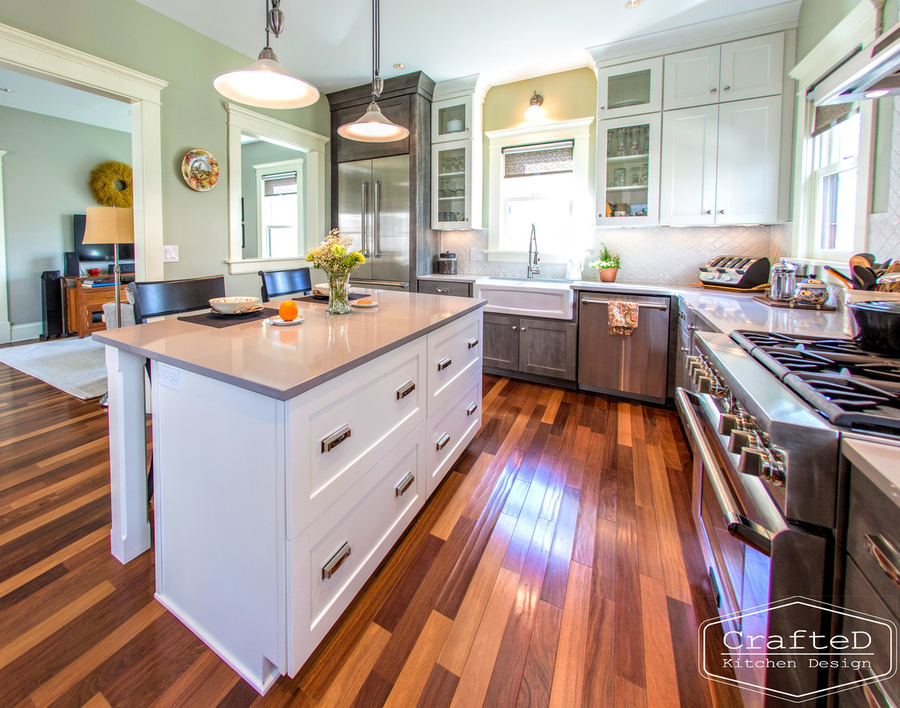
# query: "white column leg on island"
[[130, 534]]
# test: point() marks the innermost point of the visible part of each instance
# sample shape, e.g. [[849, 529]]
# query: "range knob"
[[753, 461], [739, 440], [775, 471], [704, 384], [690, 362], [727, 423]]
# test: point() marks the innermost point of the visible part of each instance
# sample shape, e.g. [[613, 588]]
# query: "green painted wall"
[[818, 18], [567, 95], [45, 181], [193, 116]]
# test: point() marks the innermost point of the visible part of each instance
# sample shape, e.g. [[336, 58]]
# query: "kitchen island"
[[287, 461]]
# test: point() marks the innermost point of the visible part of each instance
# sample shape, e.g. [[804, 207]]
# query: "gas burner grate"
[[848, 402]]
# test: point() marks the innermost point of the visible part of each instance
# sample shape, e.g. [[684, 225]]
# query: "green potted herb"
[[607, 264]]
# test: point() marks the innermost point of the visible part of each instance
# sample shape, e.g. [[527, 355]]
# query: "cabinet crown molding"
[[776, 18]]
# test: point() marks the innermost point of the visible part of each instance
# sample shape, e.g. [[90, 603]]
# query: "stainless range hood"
[[871, 72]]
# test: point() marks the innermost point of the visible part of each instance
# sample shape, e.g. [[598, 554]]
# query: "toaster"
[[738, 272]]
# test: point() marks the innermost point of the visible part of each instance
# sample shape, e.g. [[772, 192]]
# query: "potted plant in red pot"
[[607, 264]]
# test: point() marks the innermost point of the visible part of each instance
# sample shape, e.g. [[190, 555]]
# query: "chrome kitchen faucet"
[[533, 257]]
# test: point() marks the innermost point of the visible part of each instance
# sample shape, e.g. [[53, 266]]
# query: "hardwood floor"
[[556, 566]]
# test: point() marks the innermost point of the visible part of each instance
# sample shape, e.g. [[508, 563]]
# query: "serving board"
[[791, 305]]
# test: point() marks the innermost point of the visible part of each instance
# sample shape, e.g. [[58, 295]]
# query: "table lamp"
[[115, 226]]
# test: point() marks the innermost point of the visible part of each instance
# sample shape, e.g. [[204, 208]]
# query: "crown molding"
[[776, 18]]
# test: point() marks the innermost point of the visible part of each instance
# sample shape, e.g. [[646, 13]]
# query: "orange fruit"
[[288, 310]]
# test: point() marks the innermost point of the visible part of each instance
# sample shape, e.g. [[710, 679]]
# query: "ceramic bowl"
[[230, 305], [455, 125], [93, 271], [321, 289]]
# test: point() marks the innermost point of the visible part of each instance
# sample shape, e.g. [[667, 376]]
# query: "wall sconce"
[[535, 110]]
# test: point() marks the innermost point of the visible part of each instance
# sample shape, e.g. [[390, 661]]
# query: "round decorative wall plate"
[[200, 170]]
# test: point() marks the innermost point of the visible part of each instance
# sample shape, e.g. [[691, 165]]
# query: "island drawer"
[[454, 353], [341, 429], [452, 428], [331, 561]]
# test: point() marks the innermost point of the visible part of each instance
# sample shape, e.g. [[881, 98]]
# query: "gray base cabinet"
[[544, 348], [445, 287]]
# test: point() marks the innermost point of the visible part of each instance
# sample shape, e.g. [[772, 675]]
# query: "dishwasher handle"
[[642, 305]]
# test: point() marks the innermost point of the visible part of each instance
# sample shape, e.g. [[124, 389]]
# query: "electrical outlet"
[[170, 254], [476, 254], [169, 376]]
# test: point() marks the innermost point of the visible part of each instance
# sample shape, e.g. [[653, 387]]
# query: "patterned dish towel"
[[623, 317]]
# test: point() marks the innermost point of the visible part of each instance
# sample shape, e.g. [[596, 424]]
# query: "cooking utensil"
[[847, 281], [879, 326], [865, 276], [859, 260], [869, 257]]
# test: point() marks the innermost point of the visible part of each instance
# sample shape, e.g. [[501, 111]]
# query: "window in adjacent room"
[[280, 208]]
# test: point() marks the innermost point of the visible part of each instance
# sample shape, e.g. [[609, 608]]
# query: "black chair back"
[[168, 297], [284, 282]]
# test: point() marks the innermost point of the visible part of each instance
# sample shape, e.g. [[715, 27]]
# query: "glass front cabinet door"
[[451, 193], [451, 119], [628, 171], [629, 89]]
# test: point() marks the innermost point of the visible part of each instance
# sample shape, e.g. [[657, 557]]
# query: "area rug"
[[76, 366]]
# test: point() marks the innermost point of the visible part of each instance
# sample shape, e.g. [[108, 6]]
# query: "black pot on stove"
[[879, 326]]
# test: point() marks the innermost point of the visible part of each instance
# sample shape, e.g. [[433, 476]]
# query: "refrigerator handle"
[[377, 221], [363, 219]]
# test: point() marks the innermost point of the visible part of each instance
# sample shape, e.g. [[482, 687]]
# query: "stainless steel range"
[[765, 421]]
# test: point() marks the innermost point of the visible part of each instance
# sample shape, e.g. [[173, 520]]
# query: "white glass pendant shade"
[[373, 127], [265, 84]]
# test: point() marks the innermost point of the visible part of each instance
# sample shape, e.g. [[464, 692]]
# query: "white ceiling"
[[50, 99], [329, 43]]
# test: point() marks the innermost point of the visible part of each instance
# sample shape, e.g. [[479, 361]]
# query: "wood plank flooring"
[[556, 566]]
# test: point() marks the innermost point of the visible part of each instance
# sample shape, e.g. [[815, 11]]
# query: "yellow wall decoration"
[[111, 184]]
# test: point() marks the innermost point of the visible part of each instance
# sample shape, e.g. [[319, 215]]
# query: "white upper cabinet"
[[720, 164], [692, 78], [629, 89], [690, 143], [747, 168], [749, 68], [752, 68], [452, 119]]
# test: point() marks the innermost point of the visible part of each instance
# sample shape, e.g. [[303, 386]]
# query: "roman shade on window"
[[826, 117], [278, 184], [543, 159]]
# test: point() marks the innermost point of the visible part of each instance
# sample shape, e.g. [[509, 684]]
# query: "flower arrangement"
[[334, 257], [607, 264]]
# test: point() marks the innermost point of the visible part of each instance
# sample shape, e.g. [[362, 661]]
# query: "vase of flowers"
[[607, 264], [333, 257]]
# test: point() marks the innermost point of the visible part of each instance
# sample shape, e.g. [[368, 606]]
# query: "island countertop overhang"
[[283, 362]]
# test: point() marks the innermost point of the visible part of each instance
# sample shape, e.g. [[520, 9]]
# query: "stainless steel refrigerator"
[[373, 209]]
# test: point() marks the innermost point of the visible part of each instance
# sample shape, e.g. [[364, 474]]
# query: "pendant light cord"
[[376, 49]]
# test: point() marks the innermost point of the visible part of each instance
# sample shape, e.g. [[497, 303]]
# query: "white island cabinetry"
[[272, 510]]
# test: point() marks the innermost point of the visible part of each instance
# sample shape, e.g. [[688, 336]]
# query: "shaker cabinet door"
[[747, 171], [691, 78], [688, 181], [501, 342], [752, 68]]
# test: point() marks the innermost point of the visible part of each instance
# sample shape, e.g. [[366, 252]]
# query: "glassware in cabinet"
[[628, 171], [451, 197]]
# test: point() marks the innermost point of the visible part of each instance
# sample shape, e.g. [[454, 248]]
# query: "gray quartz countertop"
[[282, 362], [455, 278]]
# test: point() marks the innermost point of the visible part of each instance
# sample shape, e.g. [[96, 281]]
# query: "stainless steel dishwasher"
[[635, 365]]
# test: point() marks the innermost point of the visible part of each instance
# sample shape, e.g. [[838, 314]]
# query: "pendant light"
[[265, 83], [373, 127]]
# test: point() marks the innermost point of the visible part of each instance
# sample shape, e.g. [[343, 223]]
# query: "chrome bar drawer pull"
[[473, 343], [444, 363], [471, 409], [403, 484], [330, 568], [405, 390], [442, 443], [336, 438], [885, 555], [442, 291]]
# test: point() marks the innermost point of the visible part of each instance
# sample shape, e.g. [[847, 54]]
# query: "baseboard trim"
[[22, 332], [5, 336]]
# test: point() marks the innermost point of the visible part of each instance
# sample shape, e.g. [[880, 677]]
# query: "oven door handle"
[[738, 525]]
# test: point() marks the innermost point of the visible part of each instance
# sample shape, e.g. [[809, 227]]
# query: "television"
[[98, 251]]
